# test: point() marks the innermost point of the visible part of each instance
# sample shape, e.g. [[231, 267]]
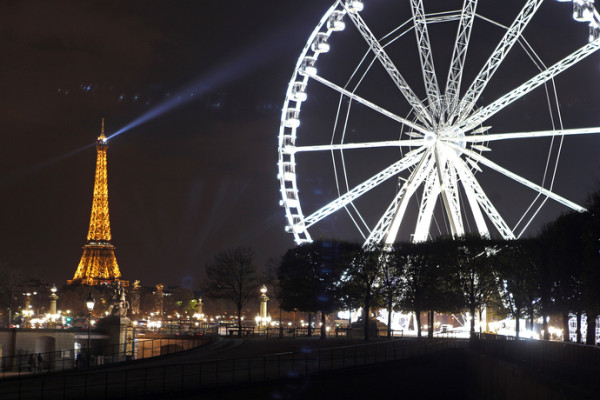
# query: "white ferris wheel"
[[405, 125]]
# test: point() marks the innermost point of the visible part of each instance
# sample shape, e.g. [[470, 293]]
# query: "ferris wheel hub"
[[430, 139], [453, 134]]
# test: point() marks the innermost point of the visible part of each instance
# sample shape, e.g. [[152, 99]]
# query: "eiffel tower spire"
[[98, 263]]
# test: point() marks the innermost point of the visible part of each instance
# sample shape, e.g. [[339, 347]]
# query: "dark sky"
[[197, 179]]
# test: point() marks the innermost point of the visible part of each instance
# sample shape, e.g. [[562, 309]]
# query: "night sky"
[[199, 178]]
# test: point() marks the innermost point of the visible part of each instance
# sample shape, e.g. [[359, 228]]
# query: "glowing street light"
[[262, 319], [89, 303], [53, 299]]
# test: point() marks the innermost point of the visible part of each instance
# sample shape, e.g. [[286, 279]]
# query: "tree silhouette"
[[232, 275], [10, 282], [590, 238], [309, 276], [390, 277], [413, 261], [564, 256], [519, 276], [475, 278], [362, 272]]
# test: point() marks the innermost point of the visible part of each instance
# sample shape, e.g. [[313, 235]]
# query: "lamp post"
[[90, 302], [26, 312], [53, 299], [37, 304], [262, 318], [263, 302], [200, 307]]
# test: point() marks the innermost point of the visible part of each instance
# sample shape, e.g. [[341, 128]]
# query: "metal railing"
[[36, 363], [172, 378], [177, 327], [296, 331]]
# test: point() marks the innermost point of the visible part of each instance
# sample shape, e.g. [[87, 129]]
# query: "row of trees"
[[557, 272]]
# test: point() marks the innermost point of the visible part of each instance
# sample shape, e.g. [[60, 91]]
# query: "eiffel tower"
[[98, 264]]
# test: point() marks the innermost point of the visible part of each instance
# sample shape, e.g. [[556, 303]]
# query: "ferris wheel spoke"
[[417, 177], [474, 206], [366, 102], [529, 135], [349, 146], [511, 36], [449, 192], [451, 197], [459, 55], [427, 66], [431, 191], [490, 164], [387, 227], [544, 76], [408, 161], [440, 165], [478, 200], [420, 110]]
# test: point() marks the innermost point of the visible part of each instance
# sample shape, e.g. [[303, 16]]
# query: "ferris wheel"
[[398, 123]]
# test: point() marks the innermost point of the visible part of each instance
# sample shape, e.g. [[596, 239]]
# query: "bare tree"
[[232, 275], [10, 281]]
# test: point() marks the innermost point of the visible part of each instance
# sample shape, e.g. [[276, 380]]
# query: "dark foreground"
[[439, 369], [461, 373], [439, 376]]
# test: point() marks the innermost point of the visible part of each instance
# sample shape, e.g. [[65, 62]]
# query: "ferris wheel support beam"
[[431, 191], [474, 204], [366, 102], [488, 111], [382, 233], [432, 87], [459, 55], [420, 110], [408, 161], [410, 186], [490, 164], [529, 135], [440, 164], [478, 200], [510, 38], [453, 198]]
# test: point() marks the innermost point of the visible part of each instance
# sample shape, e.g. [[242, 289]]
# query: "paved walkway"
[[224, 362]]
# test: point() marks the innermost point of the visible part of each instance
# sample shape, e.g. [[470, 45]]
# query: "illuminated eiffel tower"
[[98, 264]]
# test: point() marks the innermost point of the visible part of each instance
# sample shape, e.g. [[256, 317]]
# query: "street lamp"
[[262, 316], [37, 304], [53, 299], [89, 303]]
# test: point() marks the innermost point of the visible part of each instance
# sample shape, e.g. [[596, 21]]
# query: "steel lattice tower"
[[98, 263]]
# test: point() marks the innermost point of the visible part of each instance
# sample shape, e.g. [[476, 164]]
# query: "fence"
[[177, 327], [295, 331], [109, 384], [24, 364]]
